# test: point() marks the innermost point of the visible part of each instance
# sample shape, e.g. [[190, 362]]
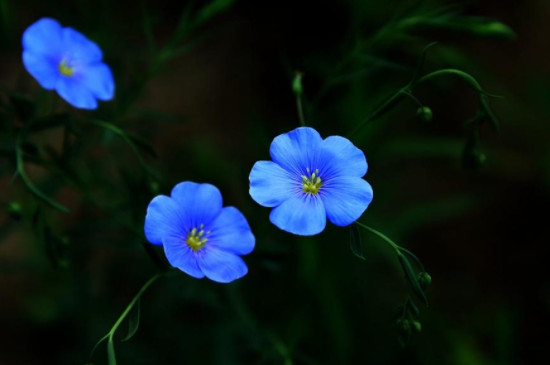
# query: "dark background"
[[209, 109]]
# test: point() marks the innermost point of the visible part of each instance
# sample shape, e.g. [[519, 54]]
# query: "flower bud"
[[424, 114], [14, 211], [473, 157], [424, 279], [297, 84], [416, 326]]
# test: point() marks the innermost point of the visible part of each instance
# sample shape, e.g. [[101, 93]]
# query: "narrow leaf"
[[133, 321], [355, 241], [411, 277], [212, 9]]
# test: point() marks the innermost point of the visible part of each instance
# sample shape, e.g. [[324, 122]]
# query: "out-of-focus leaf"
[[211, 10]]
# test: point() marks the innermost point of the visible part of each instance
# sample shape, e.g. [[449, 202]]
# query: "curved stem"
[[132, 303], [398, 249], [21, 171], [394, 245]]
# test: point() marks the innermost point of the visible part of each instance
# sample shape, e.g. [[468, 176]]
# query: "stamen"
[[65, 69], [311, 185], [196, 240]]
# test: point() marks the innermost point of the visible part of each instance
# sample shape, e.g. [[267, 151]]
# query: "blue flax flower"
[[200, 237], [63, 59], [311, 179]]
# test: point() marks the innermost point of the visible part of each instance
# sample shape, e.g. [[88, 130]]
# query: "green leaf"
[[212, 9], [133, 321], [355, 242], [411, 278], [111, 352]]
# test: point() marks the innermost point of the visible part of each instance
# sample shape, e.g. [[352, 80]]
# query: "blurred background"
[[201, 90]]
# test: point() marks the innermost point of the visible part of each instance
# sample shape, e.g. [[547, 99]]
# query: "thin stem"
[[391, 101], [132, 303], [394, 245], [300, 111], [21, 171], [398, 249]]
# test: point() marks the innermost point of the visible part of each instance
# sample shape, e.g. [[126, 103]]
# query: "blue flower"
[[200, 237], [65, 60], [311, 179]]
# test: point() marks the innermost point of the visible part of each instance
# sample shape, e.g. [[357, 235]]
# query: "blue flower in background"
[[200, 237], [311, 179], [65, 60]]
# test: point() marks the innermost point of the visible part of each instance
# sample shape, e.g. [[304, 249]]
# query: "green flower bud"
[[416, 326], [297, 84], [473, 157], [14, 210], [424, 114], [424, 279]]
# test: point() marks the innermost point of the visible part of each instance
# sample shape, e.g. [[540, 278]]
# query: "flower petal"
[[302, 215], [98, 79], [182, 256], [270, 184], [164, 218], [339, 157], [44, 37], [80, 50], [75, 93], [296, 150], [202, 203], [345, 199], [230, 232], [42, 68], [221, 266]]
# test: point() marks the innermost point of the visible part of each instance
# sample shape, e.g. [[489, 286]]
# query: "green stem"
[[394, 245], [300, 111], [398, 249], [406, 91], [132, 303], [391, 101], [21, 171]]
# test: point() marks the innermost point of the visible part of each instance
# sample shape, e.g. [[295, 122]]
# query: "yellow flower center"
[[65, 68], [311, 184], [195, 238]]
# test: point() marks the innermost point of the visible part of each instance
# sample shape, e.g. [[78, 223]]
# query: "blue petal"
[[302, 215], [44, 37], [42, 68], [181, 256], [80, 49], [345, 199], [339, 157], [230, 232], [296, 150], [164, 218], [98, 79], [75, 93], [202, 203], [270, 184], [221, 266]]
